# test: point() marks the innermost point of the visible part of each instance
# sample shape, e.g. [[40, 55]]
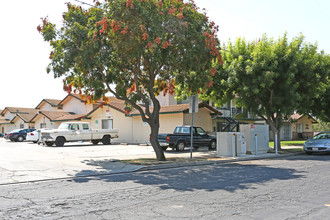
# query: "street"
[[294, 187]]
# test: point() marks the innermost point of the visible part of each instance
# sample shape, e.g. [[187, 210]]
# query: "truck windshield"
[[64, 126]]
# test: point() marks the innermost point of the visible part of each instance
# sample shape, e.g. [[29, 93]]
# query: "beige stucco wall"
[[202, 118], [76, 106], [307, 124], [141, 131], [8, 127], [47, 107], [42, 119], [119, 121], [18, 121], [169, 121], [9, 115], [166, 100]]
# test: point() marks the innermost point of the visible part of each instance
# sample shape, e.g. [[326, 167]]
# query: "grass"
[[288, 143], [287, 151]]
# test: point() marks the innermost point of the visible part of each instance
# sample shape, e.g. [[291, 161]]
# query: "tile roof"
[[178, 108], [20, 110], [52, 102], [4, 121], [298, 116], [53, 115], [70, 117], [26, 117]]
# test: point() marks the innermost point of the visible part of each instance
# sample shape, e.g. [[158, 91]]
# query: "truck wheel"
[[180, 146], [106, 140], [59, 141], [213, 145], [49, 144], [20, 139], [95, 142]]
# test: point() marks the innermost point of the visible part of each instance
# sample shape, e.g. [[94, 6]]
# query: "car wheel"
[[35, 142], [59, 141], [20, 139], [106, 140], [180, 146], [164, 148], [213, 145], [49, 144], [95, 142]]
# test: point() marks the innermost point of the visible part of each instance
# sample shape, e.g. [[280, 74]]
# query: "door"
[[74, 130], [202, 138], [85, 132], [286, 132]]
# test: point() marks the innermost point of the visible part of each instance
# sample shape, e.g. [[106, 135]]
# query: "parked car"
[[35, 135], [19, 135], [1, 135], [9, 134], [77, 131], [320, 143], [181, 138]]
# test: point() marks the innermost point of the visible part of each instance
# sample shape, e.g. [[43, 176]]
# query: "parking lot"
[[26, 161]]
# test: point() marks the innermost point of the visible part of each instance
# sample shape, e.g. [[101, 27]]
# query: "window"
[[75, 127], [107, 124], [21, 125], [42, 125], [306, 126], [299, 127], [200, 131], [221, 126], [85, 126]]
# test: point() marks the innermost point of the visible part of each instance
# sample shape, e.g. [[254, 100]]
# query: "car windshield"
[[324, 135], [64, 126]]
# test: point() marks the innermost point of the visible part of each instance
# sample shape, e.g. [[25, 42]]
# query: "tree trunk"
[[154, 126], [276, 130]]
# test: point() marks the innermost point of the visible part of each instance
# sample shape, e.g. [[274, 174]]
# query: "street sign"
[[193, 104]]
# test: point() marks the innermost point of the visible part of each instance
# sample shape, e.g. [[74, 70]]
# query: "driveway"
[[25, 161]]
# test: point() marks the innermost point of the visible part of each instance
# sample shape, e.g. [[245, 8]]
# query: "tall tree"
[[141, 47], [271, 78]]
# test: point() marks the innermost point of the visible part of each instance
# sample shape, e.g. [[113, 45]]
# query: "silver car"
[[320, 143]]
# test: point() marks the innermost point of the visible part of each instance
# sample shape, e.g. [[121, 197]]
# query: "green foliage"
[[321, 126], [140, 47], [271, 78]]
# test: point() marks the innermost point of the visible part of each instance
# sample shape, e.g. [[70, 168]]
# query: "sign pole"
[[191, 134], [193, 107]]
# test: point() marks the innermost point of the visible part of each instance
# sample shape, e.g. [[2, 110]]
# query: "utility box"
[[230, 144], [256, 137]]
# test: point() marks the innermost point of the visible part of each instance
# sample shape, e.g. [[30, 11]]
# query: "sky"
[[24, 55]]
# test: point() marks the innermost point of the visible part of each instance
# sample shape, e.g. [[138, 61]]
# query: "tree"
[[271, 79], [141, 47], [321, 104]]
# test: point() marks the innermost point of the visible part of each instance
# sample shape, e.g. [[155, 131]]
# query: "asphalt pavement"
[[28, 162]]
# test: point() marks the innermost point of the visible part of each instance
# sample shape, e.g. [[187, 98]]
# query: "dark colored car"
[[181, 138], [19, 135], [1, 135]]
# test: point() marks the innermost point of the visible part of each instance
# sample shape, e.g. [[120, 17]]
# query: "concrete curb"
[[213, 162]]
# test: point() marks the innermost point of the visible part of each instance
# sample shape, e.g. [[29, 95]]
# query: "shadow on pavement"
[[229, 177]]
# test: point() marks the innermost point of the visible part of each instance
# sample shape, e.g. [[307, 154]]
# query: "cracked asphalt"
[[26, 161], [295, 187]]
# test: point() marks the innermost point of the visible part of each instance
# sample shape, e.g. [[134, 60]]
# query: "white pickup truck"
[[77, 131]]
